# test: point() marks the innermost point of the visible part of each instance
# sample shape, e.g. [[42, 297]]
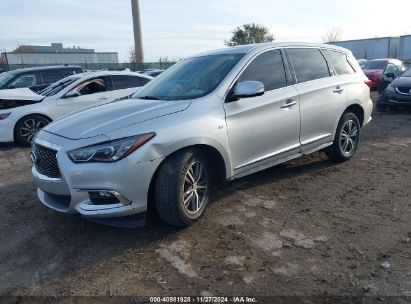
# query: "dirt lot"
[[307, 227]]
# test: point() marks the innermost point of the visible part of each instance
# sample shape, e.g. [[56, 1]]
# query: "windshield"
[[58, 86], [191, 78], [374, 65], [4, 78], [407, 73]]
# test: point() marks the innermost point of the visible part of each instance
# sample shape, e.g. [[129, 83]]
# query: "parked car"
[[407, 63], [36, 78], [378, 69], [215, 116], [397, 94], [361, 62], [153, 72], [23, 113]]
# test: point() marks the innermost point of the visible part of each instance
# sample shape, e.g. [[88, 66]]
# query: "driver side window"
[[24, 81], [267, 68], [92, 86]]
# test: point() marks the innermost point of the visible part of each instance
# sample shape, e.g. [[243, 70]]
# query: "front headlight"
[[110, 151]]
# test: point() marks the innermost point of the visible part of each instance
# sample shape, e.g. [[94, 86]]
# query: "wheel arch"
[[221, 169], [358, 110]]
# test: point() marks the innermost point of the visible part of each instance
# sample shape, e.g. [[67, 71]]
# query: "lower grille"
[[404, 90], [46, 161]]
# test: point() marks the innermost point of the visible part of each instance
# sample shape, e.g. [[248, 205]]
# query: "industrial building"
[[56, 54], [374, 48]]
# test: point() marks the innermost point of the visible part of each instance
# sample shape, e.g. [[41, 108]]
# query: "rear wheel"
[[182, 188], [27, 127], [347, 138]]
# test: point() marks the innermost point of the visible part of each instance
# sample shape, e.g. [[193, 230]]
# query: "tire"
[[344, 147], [27, 127], [174, 186]]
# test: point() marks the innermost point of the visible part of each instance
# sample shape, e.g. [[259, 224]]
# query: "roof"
[[38, 69], [244, 49], [110, 73]]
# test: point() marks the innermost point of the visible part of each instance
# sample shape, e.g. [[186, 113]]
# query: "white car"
[[23, 113]]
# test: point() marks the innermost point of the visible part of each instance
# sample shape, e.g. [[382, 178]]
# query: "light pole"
[[138, 40]]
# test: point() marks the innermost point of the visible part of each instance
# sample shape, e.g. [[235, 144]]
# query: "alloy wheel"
[[195, 187], [349, 137], [30, 128]]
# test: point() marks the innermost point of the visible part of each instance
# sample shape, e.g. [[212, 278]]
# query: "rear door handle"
[[103, 98], [338, 90], [289, 103]]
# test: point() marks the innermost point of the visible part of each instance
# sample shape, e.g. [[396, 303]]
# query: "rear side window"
[[309, 64], [339, 62], [125, 82], [52, 76], [267, 68]]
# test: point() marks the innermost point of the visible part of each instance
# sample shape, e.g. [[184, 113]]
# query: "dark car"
[[152, 72], [397, 94], [379, 71], [36, 78]]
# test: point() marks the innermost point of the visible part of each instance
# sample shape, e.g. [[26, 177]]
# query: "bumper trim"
[[131, 221]]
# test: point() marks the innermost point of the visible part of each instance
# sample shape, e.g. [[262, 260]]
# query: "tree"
[[249, 33], [132, 58], [333, 35]]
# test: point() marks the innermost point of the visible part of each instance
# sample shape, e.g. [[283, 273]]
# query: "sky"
[[181, 28]]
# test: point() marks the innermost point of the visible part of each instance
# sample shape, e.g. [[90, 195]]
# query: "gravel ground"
[[306, 227]]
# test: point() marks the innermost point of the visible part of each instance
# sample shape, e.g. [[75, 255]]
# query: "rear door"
[[89, 92], [264, 128], [125, 85], [322, 96]]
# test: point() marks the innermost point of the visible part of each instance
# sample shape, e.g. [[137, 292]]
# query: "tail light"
[[368, 83]]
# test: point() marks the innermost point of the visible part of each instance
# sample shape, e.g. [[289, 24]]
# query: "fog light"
[[106, 197]]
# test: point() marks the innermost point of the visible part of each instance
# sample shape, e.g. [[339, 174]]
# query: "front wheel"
[[347, 138], [27, 127], [182, 188]]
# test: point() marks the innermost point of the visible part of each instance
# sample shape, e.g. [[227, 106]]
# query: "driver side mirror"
[[11, 86], [390, 75], [71, 95], [247, 89]]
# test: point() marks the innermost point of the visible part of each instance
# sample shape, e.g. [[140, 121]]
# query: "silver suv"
[[216, 116]]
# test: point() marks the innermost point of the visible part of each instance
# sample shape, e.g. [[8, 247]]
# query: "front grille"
[[46, 162], [404, 90]]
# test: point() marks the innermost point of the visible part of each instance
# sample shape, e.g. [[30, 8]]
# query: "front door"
[[87, 93], [264, 128]]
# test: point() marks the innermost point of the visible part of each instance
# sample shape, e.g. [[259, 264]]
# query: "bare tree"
[[132, 58], [333, 35]]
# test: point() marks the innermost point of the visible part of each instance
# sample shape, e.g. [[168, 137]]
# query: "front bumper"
[[6, 130], [70, 193], [392, 98]]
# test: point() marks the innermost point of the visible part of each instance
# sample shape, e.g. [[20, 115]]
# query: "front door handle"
[[103, 98], [289, 103], [338, 90]]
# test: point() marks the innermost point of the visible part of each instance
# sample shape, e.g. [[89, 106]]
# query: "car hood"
[[102, 120], [402, 82], [20, 94]]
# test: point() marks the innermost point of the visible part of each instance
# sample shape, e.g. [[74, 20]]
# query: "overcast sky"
[[183, 27]]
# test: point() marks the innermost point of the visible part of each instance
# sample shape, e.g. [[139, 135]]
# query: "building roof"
[[53, 48]]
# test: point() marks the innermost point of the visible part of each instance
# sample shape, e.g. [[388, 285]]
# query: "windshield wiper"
[[148, 97]]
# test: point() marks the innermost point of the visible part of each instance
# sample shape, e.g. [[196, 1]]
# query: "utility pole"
[[138, 39]]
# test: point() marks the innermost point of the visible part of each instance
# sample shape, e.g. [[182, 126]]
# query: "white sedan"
[[23, 113]]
